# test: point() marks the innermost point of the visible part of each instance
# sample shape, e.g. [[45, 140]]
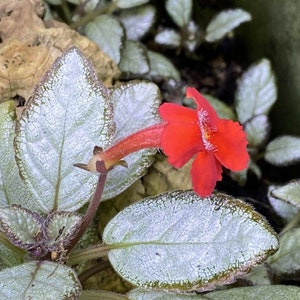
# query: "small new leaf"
[[283, 151], [22, 227], [137, 21], [134, 58], [180, 11], [225, 22], [168, 37], [161, 67], [283, 209], [289, 193], [60, 228], [101, 30], [256, 92]]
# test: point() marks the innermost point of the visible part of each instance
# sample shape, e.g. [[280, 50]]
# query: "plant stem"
[[88, 254], [98, 267], [92, 208], [66, 11], [92, 15]]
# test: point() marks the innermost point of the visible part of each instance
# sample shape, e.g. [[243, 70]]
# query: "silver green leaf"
[[12, 188], [289, 192], [8, 257], [60, 227], [173, 241], [135, 107], [108, 34], [160, 66], [39, 281], [168, 37], [144, 294], [180, 11], [287, 259], [256, 92], [137, 21], [259, 275], [269, 292], [257, 130], [101, 295], [21, 226], [283, 150], [224, 22], [129, 3], [134, 58], [88, 6], [70, 113], [223, 110], [281, 207]]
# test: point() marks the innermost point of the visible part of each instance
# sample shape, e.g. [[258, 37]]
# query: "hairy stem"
[[93, 206]]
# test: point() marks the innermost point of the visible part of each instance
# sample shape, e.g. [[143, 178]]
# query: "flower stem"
[[93, 206]]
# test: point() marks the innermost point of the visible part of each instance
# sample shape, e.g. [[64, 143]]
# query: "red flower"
[[201, 133]]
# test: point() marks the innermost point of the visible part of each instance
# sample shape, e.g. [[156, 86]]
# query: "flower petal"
[[171, 112], [205, 172], [180, 143], [231, 143], [202, 104]]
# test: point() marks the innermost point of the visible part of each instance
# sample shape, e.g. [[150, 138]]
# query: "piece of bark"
[[29, 47]]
